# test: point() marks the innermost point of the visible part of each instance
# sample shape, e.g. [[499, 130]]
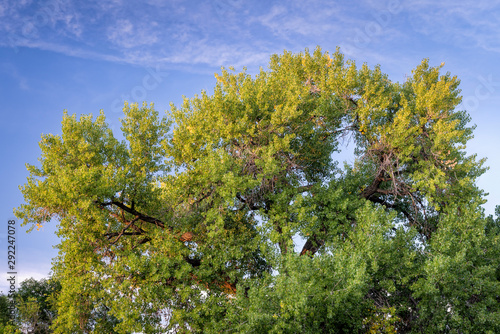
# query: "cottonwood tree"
[[192, 221]]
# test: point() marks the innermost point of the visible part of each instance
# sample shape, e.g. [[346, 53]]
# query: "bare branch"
[[124, 229], [134, 212]]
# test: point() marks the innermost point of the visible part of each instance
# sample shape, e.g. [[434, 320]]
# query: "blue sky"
[[84, 56]]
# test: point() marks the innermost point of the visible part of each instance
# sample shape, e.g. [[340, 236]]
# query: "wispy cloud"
[[127, 35], [311, 19], [227, 32], [465, 24]]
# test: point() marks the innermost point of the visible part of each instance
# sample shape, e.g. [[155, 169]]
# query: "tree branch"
[[124, 229], [374, 187], [312, 245], [250, 205], [134, 212]]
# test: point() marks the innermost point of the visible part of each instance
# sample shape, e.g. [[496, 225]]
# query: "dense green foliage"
[[34, 307], [191, 221], [35, 303], [7, 325]]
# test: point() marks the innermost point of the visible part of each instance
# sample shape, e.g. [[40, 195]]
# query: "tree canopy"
[[192, 221], [33, 307]]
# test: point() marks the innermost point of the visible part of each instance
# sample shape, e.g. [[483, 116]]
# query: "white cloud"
[[119, 31], [127, 35], [232, 32], [312, 19], [41, 272], [465, 24], [71, 51]]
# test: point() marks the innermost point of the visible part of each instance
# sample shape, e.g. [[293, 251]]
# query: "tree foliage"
[[7, 325], [35, 304], [191, 221], [33, 307]]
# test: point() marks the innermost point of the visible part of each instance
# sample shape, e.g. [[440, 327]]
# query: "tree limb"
[[124, 229], [134, 212]]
